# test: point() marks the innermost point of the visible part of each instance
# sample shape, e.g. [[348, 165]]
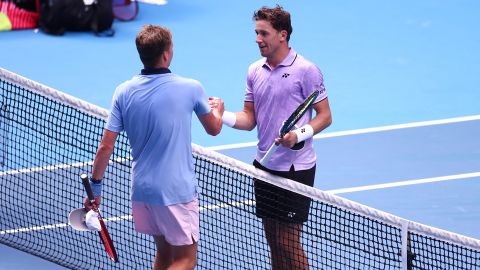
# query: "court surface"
[[402, 80]]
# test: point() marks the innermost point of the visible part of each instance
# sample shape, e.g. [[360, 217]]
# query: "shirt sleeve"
[[201, 105], [115, 120], [249, 85], [313, 80]]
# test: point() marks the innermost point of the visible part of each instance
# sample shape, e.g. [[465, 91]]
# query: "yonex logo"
[[291, 214], [302, 130], [285, 75]]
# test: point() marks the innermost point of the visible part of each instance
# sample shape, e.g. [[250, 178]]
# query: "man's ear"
[[164, 56], [283, 35]]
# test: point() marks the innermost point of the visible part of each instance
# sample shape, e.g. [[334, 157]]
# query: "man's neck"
[[150, 71], [278, 57], [161, 65]]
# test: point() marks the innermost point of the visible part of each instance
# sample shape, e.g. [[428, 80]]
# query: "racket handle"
[[269, 154], [88, 188]]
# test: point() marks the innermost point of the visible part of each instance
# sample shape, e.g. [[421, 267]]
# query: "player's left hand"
[[289, 140]]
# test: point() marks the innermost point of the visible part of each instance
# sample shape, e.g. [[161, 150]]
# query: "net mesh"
[[47, 139]]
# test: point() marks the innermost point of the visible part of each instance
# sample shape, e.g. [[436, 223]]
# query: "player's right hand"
[[88, 205]]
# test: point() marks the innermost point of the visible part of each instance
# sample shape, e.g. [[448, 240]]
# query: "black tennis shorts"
[[280, 204]]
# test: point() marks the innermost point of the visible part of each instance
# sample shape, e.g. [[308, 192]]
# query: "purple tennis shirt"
[[276, 93]]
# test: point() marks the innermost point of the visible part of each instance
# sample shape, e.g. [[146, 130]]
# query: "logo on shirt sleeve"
[[321, 90], [285, 75]]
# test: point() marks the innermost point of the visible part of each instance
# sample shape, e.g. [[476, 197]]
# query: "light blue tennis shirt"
[[276, 93], [155, 110]]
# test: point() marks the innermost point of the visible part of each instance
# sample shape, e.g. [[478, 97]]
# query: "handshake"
[[228, 118], [216, 103]]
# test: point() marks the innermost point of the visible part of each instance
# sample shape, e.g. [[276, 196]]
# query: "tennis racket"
[[290, 123], [104, 236], [125, 10]]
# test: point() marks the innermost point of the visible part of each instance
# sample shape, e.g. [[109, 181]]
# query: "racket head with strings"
[[298, 113], [103, 233], [125, 10]]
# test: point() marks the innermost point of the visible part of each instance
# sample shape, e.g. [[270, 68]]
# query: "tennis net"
[[48, 138]]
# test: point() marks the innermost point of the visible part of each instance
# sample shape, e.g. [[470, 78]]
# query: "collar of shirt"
[[287, 61], [151, 71]]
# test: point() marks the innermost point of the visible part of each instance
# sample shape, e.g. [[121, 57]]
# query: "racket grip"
[[88, 188], [269, 154]]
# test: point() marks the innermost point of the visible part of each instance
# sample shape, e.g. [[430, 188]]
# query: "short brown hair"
[[151, 42], [277, 16]]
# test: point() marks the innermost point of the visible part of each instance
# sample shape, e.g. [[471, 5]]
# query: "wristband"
[[304, 133], [96, 187], [229, 118]]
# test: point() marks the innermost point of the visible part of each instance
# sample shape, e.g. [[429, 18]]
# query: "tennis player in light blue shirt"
[[155, 110]]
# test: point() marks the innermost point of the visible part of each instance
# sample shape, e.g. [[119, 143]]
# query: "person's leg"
[[285, 244], [163, 255], [169, 257], [270, 229], [184, 257], [282, 230]]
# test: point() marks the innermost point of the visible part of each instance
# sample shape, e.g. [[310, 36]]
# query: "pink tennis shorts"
[[178, 223]]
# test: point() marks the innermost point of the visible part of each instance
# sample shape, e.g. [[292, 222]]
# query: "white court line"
[[35, 228], [154, 2], [363, 131], [60, 166], [250, 202], [47, 168], [405, 183]]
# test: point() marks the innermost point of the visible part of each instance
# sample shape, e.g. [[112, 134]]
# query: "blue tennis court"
[[402, 81]]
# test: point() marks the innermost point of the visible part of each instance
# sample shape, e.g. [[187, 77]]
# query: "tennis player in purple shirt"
[[276, 85]]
